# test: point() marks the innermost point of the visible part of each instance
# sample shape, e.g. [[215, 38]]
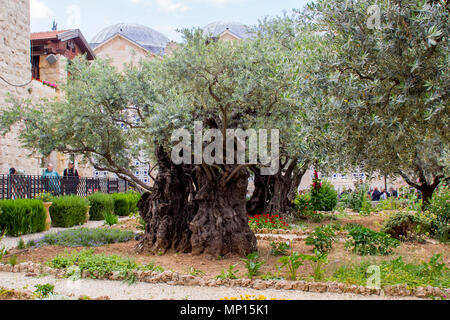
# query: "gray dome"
[[146, 37], [217, 28]]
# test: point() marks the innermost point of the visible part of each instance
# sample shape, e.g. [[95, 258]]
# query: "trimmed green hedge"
[[22, 216], [101, 204], [126, 203], [68, 211]]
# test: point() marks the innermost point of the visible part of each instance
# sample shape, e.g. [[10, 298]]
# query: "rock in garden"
[[259, 285]]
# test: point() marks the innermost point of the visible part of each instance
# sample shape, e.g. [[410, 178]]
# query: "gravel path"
[[117, 290], [11, 242]]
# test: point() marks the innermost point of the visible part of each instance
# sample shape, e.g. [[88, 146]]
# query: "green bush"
[[356, 199], [321, 238], [365, 241], [436, 218], [134, 198], [68, 211], [22, 216], [122, 204], [303, 204], [101, 204], [324, 198], [402, 225]]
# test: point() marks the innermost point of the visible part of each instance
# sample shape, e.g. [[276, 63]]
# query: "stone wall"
[[15, 67]]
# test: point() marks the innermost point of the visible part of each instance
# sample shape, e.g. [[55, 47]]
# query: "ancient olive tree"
[[111, 118], [385, 67]]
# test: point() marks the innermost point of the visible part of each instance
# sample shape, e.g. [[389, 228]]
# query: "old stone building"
[[31, 67]]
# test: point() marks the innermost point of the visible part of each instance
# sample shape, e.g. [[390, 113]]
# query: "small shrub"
[[121, 204], [324, 198], [84, 237], [303, 204], [279, 248], [321, 238], [436, 218], [365, 241], [111, 219], [22, 216], [402, 225], [68, 211], [253, 264], [133, 198], [195, 272], [101, 204]]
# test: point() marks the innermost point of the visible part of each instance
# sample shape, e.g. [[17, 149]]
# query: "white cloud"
[[170, 6], [39, 10]]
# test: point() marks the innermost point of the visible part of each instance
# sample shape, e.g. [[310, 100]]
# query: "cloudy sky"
[[166, 16]]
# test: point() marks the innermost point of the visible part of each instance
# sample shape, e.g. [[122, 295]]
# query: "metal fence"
[[28, 187]]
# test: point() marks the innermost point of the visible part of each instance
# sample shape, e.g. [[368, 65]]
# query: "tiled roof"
[[46, 35]]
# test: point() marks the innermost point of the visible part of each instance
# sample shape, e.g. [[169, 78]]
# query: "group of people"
[[377, 195], [53, 183]]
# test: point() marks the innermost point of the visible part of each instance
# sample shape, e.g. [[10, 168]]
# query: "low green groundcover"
[[84, 237], [433, 273]]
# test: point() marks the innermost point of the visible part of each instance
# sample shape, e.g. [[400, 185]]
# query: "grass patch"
[[432, 273]]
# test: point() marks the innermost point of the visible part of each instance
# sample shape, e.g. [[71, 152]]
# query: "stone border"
[[292, 232], [174, 278]]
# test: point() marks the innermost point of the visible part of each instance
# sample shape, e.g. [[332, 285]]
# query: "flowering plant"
[[267, 221], [47, 83]]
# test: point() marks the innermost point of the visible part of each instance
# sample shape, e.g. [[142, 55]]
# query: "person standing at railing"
[[51, 179], [71, 179]]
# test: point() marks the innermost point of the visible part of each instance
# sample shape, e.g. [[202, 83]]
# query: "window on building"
[[35, 67]]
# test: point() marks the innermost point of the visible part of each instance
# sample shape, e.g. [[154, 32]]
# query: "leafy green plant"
[[365, 241], [30, 244], [291, 263], [44, 197], [303, 204], [101, 204], [231, 273], [318, 261], [22, 216], [44, 290], [366, 208], [253, 264], [84, 237], [68, 211], [322, 238], [111, 219], [279, 248]]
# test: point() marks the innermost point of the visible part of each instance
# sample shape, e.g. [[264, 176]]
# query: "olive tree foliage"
[[98, 117], [385, 71]]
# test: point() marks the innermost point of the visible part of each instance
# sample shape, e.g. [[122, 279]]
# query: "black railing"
[[28, 187]]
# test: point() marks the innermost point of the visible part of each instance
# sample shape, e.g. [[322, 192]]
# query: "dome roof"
[[146, 37], [217, 28]]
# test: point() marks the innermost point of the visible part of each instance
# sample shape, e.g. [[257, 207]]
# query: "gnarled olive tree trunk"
[[189, 210], [167, 210], [221, 223]]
